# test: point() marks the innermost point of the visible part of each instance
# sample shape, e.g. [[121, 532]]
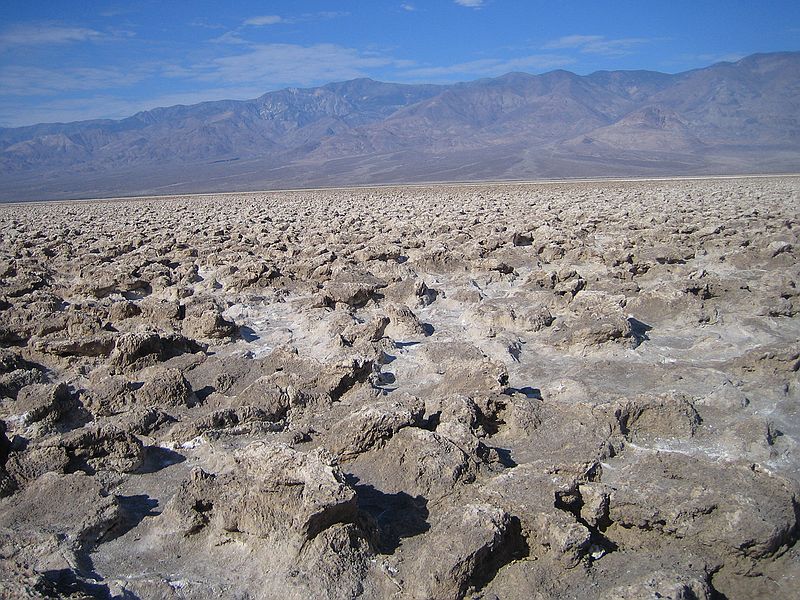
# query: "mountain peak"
[[727, 117]]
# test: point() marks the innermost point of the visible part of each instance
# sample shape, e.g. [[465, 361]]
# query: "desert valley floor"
[[563, 390]]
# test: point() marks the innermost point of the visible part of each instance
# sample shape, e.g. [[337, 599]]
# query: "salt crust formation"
[[578, 390]]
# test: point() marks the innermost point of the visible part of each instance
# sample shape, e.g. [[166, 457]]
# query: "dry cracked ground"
[[579, 390]]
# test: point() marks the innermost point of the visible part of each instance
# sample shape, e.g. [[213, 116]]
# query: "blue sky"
[[69, 60]]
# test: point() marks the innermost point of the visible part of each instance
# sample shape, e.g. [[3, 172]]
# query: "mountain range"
[[728, 118]]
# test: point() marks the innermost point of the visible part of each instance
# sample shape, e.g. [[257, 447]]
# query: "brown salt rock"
[[595, 319], [731, 513], [564, 431], [310, 378], [106, 448], [353, 290], [145, 421], [364, 333], [662, 584], [44, 404], [13, 381], [459, 420], [648, 418], [99, 345], [123, 309], [546, 497], [403, 323], [209, 325], [372, 425], [234, 420], [109, 395], [496, 316], [467, 369], [36, 460], [136, 350], [160, 313], [265, 395], [7, 481], [416, 462], [461, 544], [165, 388], [57, 520], [105, 284], [273, 492], [251, 274]]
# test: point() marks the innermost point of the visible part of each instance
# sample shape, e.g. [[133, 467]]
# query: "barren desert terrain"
[[562, 390]]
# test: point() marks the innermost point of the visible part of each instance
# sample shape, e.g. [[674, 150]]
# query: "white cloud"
[[205, 24], [595, 44], [716, 58], [270, 65], [323, 15], [36, 81], [573, 41], [263, 20], [229, 37], [45, 34], [488, 67], [106, 106], [408, 7], [117, 11], [235, 36], [470, 3], [249, 71]]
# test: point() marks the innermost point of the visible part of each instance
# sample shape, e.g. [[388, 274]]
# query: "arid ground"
[[562, 390]]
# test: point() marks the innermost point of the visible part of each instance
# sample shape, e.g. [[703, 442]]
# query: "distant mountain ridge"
[[727, 118]]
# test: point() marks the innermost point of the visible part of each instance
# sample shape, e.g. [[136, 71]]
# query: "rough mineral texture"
[[547, 391]]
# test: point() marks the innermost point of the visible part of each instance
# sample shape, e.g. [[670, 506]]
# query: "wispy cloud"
[[596, 44], [693, 61], [470, 3], [270, 65], [116, 11], [205, 24], [45, 34], [490, 66], [109, 106], [263, 20], [37, 81], [248, 74], [408, 7], [323, 15], [716, 58], [236, 36], [230, 37]]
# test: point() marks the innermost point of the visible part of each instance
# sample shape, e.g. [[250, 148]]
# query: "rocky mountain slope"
[[727, 118]]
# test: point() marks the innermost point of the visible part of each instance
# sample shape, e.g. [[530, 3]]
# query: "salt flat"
[[583, 389]]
